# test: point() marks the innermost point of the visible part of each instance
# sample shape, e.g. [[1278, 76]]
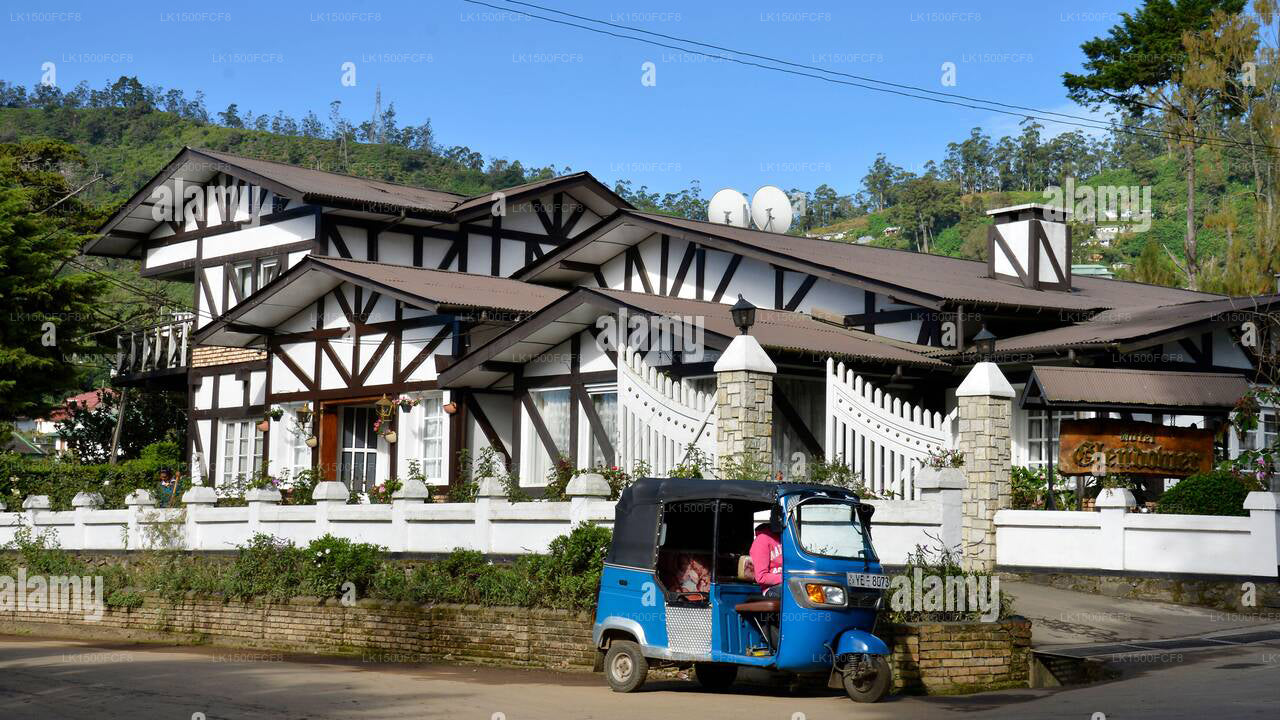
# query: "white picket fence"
[[879, 435], [659, 417]]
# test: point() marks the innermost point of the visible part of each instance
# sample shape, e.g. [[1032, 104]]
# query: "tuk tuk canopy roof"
[[635, 529]]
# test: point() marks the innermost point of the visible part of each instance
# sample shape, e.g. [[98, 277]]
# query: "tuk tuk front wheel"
[[867, 682], [715, 676], [624, 667]]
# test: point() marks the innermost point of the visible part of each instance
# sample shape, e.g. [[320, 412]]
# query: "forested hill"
[[127, 132]]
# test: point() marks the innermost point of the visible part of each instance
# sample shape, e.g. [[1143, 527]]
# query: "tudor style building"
[[506, 320]]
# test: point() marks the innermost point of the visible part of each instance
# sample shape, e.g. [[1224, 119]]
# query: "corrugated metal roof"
[[321, 183], [447, 287], [1141, 388], [1127, 325], [784, 330], [954, 279]]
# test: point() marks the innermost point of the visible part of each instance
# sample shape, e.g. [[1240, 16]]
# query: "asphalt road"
[[51, 679]]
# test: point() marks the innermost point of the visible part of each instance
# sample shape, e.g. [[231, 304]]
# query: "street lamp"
[[984, 343], [743, 314]]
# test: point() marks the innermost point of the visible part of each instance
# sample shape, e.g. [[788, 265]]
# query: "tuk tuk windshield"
[[830, 527]]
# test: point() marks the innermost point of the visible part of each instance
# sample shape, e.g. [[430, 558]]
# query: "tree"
[[1142, 65], [150, 416], [880, 180], [231, 117], [925, 204], [1154, 267], [48, 312]]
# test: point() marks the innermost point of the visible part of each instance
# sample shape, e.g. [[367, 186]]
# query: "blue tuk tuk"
[[820, 621]]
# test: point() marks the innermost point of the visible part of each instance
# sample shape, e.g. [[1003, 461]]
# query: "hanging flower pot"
[[391, 437], [264, 425], [312, 441], [450, 408]]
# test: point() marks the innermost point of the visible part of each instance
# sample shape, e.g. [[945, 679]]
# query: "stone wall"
[[931, 658], [463, 633], [945, 658], [1224, 594]]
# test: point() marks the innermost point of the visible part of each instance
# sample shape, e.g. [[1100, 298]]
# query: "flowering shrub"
[[944, 458], [381, 494]]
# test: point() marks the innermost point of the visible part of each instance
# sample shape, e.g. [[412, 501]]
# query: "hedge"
[[1219, 492], [568, 576], [22, 477]]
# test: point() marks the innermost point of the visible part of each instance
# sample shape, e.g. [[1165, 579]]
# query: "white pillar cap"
[[745, 353], [985, 380]]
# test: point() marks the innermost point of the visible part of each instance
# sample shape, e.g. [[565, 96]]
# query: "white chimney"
[[1030, 245]]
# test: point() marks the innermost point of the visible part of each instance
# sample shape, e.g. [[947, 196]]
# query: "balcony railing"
[[156, 349]]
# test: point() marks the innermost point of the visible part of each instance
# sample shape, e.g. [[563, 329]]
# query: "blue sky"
[[541, 93]]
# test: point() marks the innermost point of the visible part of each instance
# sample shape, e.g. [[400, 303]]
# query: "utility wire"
[[959, 100]]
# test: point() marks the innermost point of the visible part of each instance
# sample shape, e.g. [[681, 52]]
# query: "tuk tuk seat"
[[760, 604]]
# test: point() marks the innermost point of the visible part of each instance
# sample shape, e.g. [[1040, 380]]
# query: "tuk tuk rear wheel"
[[624, 666], [869, 686], [715, 676]]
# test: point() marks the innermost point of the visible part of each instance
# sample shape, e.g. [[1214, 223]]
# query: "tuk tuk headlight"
[[820, 594]]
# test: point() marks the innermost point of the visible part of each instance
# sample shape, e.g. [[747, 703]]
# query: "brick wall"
[[931, 658], [940, 658], [464, 633], [207, 355]]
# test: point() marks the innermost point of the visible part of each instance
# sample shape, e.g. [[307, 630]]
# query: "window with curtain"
[[554, 407], [605, 403], [434, 439], [241, 450]]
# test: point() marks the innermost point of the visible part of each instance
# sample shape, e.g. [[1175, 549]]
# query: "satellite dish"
[[771, 210], [729, 207]]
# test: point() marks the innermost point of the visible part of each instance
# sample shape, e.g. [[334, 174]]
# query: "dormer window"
[[268, 271], [244, 278]]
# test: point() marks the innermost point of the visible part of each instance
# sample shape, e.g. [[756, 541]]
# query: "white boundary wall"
[[491, 524], [1115, 539]]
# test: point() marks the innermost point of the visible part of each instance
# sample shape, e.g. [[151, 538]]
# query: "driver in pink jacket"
[[766, 558]]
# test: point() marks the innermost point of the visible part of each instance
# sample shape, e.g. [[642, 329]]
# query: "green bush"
[[22, 477], [1219, 492], [266, 567], [334, 561]]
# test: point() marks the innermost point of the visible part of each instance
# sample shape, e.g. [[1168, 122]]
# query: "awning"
[[580, 309], [1126, 390]]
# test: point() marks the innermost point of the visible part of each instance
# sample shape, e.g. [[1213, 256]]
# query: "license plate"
[[869, 580]]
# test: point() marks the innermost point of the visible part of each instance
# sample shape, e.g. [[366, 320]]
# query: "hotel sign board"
[[1126, 447]]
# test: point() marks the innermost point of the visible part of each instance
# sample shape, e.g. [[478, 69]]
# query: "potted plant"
[[407, 403]]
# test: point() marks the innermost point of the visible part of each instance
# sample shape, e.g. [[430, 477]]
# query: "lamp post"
[[984, 343], [743, 314]]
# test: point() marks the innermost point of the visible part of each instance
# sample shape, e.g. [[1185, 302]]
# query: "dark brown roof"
[[783, 330], [482, 200], [316, 275], [331, 185], [1075, 387], [445, 287], [1132, 325], [948, 278]]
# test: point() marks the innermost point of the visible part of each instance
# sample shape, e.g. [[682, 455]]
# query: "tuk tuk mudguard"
[[860, 642]]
